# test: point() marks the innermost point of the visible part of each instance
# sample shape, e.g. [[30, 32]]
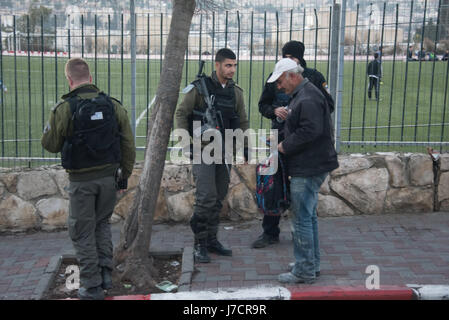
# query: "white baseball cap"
[[281, 66]]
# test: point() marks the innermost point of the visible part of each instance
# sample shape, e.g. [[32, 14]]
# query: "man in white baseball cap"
[[285, 64], [309, 150]]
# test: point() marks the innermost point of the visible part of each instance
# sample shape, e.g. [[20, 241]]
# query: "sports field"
[[413, 103]]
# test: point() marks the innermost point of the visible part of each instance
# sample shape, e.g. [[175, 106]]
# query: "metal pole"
[[29, 87], [353, 72], [109, 54], [303, 26], [316, 35], [406, 72], [264, 56], [329, 43], [393, 70], [82, 36], [238, 45], [95, 48], [250, 67], [366, 78], [433, 70], [378, 81], [42, 80], [1, 92], [277, 35], [291, 25], [68, 41], [340, 75], [226, 30], [16, 97], [333, 75], [148, 76], [56, 60], [133, 68], [121, 59]]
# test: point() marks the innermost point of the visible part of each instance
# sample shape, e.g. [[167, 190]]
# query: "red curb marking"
[[352, 293]]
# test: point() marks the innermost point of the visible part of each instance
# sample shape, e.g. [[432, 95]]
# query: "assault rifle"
[[211, 118]]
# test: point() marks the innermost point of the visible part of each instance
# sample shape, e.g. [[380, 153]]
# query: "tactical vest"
[[95, 139], [224, 101]]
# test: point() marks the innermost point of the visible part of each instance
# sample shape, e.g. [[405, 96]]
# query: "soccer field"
[[412, 106]]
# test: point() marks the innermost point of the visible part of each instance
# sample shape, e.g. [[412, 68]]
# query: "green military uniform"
[[212, 180], [92, 190]]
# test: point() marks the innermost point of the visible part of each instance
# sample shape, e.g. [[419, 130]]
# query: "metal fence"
[[340, 42]]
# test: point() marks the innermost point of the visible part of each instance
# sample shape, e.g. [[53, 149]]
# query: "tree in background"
[[37, 15]]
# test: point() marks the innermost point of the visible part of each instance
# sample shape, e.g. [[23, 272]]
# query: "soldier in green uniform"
[[212, 180], [93, 134]]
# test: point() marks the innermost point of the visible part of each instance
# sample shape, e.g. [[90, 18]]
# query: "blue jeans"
[[304, 200]]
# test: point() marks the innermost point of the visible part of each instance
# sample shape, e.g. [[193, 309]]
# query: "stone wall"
[[363, 184]]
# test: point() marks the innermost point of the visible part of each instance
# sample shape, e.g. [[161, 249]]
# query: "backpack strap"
[[73, 103]]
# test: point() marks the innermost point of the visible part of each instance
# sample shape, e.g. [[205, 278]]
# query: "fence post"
[[333, 74], [341, 68], [133, 68]]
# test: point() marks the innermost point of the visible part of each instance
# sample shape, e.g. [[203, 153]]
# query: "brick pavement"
[[408, 249]]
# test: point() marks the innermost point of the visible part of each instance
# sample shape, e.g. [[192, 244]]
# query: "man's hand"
[[281, 113], [281, 148]]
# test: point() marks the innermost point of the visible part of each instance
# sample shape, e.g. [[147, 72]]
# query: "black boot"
[[200, 252], [95, 293], [213, 245]]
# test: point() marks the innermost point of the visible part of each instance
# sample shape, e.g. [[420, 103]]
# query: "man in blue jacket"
[[310, 153]]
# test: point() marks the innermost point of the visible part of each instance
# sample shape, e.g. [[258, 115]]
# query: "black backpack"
[[95, 139]]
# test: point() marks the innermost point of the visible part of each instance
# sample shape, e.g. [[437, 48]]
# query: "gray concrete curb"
[[187, 270], [49, 275], [430, 292]]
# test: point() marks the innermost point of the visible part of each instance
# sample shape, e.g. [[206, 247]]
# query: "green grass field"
[[25, 108]]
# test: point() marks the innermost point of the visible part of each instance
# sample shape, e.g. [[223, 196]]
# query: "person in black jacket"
[[374, 71], [272, 105], [310, 153]]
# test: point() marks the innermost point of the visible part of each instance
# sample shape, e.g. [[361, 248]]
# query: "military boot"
[[200, 253], [95, 293], [213, 245]]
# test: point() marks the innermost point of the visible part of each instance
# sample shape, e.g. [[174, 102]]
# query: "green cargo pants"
[[91, 205], [212, 182]]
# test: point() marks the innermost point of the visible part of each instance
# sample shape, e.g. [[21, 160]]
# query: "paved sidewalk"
[[407, 248]]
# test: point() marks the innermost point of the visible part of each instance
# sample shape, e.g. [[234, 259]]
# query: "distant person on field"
[[410, 54], [445, 56], [374, 71]]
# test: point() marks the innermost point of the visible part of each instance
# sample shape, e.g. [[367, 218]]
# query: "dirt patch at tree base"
[[168, 269]]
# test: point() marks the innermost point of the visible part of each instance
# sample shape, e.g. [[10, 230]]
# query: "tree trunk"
[[131, 256]]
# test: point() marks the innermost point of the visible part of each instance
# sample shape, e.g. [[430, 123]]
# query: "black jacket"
[[267, 101], [308, 143], [374, 69]]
